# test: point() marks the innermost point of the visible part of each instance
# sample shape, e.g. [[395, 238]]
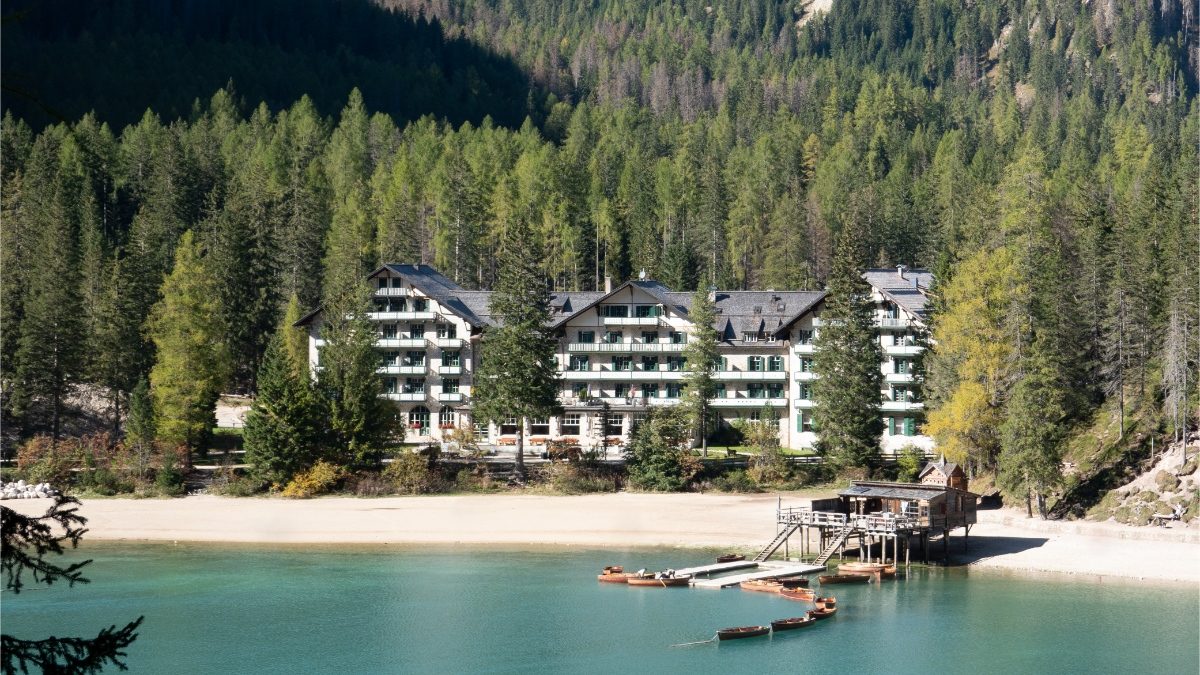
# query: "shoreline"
[[1001, 540]]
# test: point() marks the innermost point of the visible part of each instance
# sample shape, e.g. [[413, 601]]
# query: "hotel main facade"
[[620, 353]]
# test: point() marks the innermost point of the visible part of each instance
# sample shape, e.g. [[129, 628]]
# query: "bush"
[[230, 482], [469, 480], [659, 457], [369, 484], [168, 480], [735, 481], [573, 479], [103, 482], [908, 464], [409, 474], [316, 480], [41, 460]]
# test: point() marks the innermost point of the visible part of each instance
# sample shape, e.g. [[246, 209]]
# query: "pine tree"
[[517, 374], [192, 359], [1030, 463], [847, 389], [140, 427], [283, 427], [295, 340], [702, 360], [362, 424]]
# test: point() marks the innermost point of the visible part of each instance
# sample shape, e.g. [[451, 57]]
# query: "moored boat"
[[792, 623], [824, 613], [802, 594], [861, 567], [739, 632], [798, 582], [658, 581], [730, 557], [844, 578], [613, 574], [761, 585], [825, 603]]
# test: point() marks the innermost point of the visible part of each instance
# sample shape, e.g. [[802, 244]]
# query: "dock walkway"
[[765, 571], [715, 568]]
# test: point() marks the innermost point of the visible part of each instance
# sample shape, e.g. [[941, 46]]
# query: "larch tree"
[[849, 380], [517, 376], [193, 361], [703, 357]]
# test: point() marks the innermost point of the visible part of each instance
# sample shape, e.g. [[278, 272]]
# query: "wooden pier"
[[763, 571]]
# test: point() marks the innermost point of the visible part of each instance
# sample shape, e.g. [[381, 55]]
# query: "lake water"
[[222, 609]]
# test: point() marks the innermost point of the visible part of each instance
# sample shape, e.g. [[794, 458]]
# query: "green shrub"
[[370, 484], [572, 479], [735, 481], [103, 482], [472, 480], [317, 479], [230, 483], [409, 474], [908, 464], [168, 480]]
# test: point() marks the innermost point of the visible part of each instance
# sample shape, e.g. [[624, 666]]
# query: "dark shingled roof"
[[945, 467], [895, 490], [741, 312], [908, 293]]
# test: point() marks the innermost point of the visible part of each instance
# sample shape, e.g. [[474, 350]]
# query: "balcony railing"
[[450, 396], [402, 316], [406, 396], [631, 321], [392, 292], [750, 375], [448, 342], [402, 370], [747, 402], [902, 350], [898, 377], [635, 374], [803, 403], [418, 343], [901, 406], [888, 322], [809, 348], [450, 370], [625, 347], [805, 376]]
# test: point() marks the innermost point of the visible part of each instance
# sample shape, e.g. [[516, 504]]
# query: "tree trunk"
[[1028, 506], [704, 430], [519, 468]]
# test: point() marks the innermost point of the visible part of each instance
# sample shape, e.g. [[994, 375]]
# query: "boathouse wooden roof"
[[885, 490]]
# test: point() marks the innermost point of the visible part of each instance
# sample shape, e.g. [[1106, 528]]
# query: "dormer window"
[[647, 311], [750, 337]]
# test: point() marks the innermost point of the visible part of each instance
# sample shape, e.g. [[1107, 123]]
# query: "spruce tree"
[[703, 357], [1030, 463], [140, 427], [518, 374], [192, 359], [849, 381], [283, 427]]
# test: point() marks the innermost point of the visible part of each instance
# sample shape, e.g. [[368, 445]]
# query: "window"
[[508, 427], [755, 363], [539, 427], [417, 331], [450, 386], [614, 337], [418, 420], [755, 415], [447, 330], [722, 364], [676, 337], [390, 358], [650, 390], [674, 389], [804, 337], [774, 390], [649, 337], [807, 421], [587, 336], [414, 358], [414, 385], [805, 392], [420, 305], [579, 363], [649, 363], [622, 363], [615, 424], [570, 424], [446, 418], [805, 365], [647, 311], [389, 385], [397, 282], [756, 390], [675, 363], [389, 331], [452, 358], [481, 429], [890, 311], [750, 337], [775, 364], [621, 390], [902, 366], [614, 311], [720, 389], [383, 282], [580, 390], [902, 394]]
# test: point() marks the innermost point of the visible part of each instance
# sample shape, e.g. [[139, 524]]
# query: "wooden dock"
[[763, 571], [716, 568]]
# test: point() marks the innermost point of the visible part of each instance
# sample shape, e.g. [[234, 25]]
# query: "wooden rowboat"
[[761, 585], [844, 578], [613, 574], [730, 557], [802, 594], [800, 582], [825, 603], [792, 623], [742, 632], [818, 614], [856, 567], [665, 582]]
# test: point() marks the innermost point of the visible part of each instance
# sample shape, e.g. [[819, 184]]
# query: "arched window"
[[418, 420], [446, 417]]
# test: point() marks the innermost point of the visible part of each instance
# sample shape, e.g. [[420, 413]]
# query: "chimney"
[[900, 271], [607, 284]]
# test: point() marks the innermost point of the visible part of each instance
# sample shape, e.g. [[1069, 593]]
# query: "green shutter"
[[891, 426], [909, 426]]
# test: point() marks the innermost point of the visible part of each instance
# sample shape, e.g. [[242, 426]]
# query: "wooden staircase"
[[838, 539], [776, 543]]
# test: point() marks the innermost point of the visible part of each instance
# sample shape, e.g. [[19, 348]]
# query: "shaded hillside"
[[64, 58]]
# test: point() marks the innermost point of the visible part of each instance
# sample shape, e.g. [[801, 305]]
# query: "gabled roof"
[[908, 292], [947, 469], [581, 301], [885, 490]]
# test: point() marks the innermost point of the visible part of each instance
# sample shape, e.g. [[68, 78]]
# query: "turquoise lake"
[[223, 609]]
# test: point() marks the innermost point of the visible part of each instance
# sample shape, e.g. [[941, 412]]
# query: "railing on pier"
[[879, 523]]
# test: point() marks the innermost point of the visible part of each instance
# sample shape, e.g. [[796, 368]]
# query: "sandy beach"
[[1002, 539]]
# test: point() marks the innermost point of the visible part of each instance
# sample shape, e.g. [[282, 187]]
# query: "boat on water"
[[613, 574], [802, 594], [824, 613], [730, 557], [825, 603], [740, 632], [887, 573], [658, 580], [792, 623], [844, 578], [761, 585], [798, 582], [860, 567]]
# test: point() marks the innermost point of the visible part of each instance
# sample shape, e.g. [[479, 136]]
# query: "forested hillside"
[[1040, 156]]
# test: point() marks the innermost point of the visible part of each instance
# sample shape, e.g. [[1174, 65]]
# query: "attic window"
[[751, 337], [758, 309]]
